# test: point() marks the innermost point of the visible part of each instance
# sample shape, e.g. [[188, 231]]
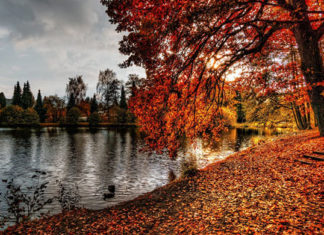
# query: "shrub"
[[94, 119], [11, 115], [72, 116], [14, 115], [30, 117], [68, 196], [25, 201], [122, 116]]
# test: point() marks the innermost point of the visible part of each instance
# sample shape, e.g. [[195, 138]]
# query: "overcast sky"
[[48, 41]]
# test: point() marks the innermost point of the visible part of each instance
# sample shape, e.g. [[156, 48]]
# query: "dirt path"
[[262, 189]]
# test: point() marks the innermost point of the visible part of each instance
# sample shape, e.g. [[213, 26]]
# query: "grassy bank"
[[261, 189]]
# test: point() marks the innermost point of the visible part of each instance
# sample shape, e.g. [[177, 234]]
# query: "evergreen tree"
[[123, 103], [16, 99], [2, 100], [71, 102], [39, 107], [27, 98], [93, 104]]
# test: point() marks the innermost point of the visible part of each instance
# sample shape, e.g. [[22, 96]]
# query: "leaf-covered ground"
[[262, 189]]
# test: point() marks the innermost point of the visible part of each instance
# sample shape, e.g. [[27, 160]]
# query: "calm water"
[[89, 161]]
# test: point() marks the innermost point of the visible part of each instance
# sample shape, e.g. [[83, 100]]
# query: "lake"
[[86, 162]]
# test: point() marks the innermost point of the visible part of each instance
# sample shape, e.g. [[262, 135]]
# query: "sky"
[[48, 41]]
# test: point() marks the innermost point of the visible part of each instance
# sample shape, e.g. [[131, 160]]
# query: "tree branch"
[[320, 31]]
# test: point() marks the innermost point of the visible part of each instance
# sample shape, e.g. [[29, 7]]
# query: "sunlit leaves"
[[175, 41]]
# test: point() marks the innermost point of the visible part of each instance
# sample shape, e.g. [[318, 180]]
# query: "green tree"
[[39, 107], [72, 116], [94, 119], [71, 102], [30, 117], [123, 103], [2, 100], [27, 98], [16, 99], [11, 115], [14, 115]]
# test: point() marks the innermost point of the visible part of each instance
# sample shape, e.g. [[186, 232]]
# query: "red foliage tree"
[[188, 48]]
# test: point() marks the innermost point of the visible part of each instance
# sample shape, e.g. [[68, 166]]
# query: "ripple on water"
[[94, 160]]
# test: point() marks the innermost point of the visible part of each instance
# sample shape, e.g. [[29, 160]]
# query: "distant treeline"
[[109, 104]]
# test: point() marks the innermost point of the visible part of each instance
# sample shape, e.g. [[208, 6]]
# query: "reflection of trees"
[[106, 156], [39, 146], [243, 135], [239, 139], [75, 152], [122, 133], [21, 150]]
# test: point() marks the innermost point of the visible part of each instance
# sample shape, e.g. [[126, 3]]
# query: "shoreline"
[[81, 124], [187, 190]]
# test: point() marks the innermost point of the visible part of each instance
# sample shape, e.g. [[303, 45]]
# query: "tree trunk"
[[312, 68]]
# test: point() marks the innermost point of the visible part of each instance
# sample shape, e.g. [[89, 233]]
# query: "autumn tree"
[[3, 101], [16, 99], [76, 91], [132, 85], [85, 106], [108, 87], [55, 108], [188, 48]]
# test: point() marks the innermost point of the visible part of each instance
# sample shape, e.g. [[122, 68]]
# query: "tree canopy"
[[16, 99], [39, 107], [27, 97], [108, 87], [189, 48], [76, 91]]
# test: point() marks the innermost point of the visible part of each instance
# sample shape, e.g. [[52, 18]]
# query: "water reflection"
[[93, 160]]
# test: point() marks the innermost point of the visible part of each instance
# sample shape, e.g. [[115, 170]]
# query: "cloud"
[[27, 19], [69, 37]]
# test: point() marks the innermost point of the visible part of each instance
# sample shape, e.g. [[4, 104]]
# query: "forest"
[[108, 105]]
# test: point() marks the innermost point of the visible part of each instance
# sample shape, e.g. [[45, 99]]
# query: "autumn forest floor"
[[262, 189]]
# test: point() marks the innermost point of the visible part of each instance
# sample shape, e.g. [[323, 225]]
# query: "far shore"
[[80, 124], [281, 128]]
